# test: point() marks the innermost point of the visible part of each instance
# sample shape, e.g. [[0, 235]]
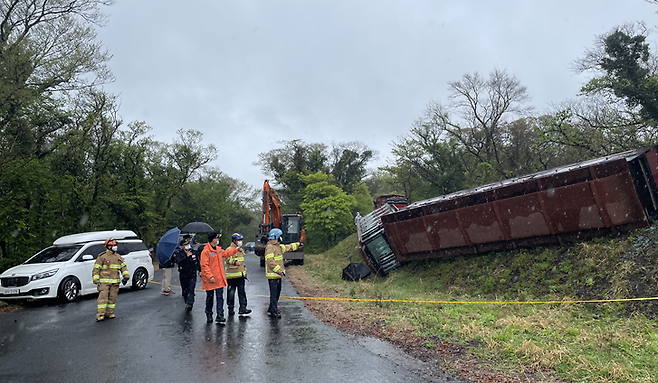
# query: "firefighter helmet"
[[236, 237], [275, 233], [110, 242]]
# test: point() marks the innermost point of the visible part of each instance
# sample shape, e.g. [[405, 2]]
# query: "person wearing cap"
[[188, 267], [109, 269], [213, 279], [236, 274]]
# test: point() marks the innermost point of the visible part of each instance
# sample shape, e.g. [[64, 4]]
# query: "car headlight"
[[45, 274]]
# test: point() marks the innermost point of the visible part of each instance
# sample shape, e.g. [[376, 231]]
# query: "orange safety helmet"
[[110, 242]]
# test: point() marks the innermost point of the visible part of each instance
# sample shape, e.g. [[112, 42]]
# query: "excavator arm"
[[271, 218], [271, 208]]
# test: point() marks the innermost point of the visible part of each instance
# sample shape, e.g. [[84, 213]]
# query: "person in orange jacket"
[[213, 278]]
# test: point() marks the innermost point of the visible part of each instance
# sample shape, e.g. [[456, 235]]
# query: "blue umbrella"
[[167, 245]]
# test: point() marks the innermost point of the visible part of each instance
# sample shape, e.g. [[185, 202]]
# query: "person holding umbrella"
[[166, 275], [165, 255], [188, 266], [213, 279]]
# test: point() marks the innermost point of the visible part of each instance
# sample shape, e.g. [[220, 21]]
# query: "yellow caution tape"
[[465, 302], [456, 302]]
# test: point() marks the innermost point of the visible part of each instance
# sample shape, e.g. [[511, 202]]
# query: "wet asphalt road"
[[153, 339]]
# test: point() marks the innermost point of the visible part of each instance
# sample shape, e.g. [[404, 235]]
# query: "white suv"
[[64, 270]]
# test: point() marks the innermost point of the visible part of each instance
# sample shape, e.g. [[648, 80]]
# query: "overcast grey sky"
[[250, 73]]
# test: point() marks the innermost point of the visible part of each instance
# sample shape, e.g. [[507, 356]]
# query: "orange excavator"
[[292, 226]]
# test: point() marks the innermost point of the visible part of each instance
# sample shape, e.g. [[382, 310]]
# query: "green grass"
[[603, 342]]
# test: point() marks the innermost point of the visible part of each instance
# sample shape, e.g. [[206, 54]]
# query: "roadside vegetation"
[[579, 342]]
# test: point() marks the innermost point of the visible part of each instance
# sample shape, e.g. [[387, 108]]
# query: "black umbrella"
[[198, 227]]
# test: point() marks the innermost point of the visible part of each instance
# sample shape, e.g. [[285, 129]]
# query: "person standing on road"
[[166, 275], [274, 268], [213, 279], [107, 273], [188, 267], [236, 274]]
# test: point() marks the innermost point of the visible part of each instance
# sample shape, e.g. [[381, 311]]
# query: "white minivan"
[[64, 270]]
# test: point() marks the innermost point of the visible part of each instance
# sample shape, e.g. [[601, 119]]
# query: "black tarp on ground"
[[355, 271]]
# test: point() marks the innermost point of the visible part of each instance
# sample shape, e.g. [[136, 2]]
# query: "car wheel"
[[298, 262], [69, 289], [140, 279]]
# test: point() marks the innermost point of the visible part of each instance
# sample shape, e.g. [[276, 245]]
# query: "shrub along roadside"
[[603, 342]]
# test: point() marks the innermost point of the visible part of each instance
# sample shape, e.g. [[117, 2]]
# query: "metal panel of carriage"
[[578, 201], [373, 243]]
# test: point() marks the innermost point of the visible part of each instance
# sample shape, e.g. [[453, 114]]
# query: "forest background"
[[69, 163]]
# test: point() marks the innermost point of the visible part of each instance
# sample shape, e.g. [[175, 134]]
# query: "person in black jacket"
[[188, 267]]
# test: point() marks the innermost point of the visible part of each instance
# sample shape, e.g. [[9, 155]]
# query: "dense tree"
[[346, 162], [68, 162], [287, 163], [427, 155], [363, 199], [381, 181], [625, 67], [57, 39], [617, 108], [214, 199], [327, 212], [588, 128], [480, 136], [478, 117]]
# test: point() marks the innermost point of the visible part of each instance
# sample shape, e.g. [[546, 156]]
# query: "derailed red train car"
[[573, 202]]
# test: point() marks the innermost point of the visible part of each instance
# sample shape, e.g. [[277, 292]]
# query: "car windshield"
[[55, 254]]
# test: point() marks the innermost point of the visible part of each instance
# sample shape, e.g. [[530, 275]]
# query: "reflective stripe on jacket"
[[212, 266], [233, 271], [109, 268], [274, 257]]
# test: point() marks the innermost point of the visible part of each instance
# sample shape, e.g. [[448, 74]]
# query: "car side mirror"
[[87, 257]]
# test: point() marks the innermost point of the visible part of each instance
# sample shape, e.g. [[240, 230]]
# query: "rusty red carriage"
[[578, 201]]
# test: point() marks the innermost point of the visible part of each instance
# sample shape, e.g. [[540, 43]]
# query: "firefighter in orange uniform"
[[107, 274], [274, 268], [213, 279]]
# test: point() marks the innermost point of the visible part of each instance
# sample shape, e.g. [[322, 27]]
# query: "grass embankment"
[[581, 342]]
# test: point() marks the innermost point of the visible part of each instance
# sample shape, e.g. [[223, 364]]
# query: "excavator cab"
[[291, 226]]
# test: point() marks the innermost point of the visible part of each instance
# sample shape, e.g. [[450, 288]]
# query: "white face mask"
[[114, 248], [239, 243], [188, 247]]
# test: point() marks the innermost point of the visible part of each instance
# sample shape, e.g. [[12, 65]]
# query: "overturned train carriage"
[[375, 250], [573, 202]]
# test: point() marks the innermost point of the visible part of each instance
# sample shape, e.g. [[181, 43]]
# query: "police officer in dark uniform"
[[188, 267]]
